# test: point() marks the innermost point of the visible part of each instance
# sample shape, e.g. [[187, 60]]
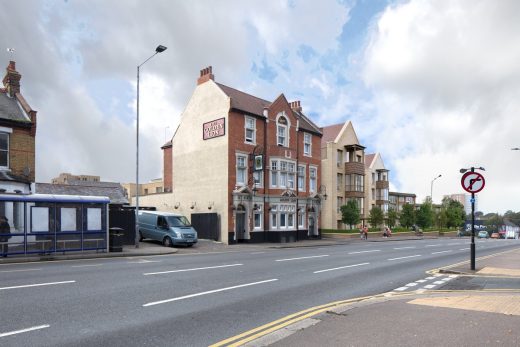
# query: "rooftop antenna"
[[11, 53]]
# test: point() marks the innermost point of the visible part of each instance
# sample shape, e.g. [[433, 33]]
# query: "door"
[[312, 226], [240, 222]]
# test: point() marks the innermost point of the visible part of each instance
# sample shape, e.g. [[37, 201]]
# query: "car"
[[483, 234], [495, 235], [171, 229]]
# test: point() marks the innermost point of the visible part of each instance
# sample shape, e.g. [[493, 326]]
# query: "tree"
[[494, 222], [392, 216], [455, 214], [424, 215], [376, 216], [350, 213], [407, 218]]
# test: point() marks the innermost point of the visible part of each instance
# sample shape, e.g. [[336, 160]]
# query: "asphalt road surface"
[[200, 299]]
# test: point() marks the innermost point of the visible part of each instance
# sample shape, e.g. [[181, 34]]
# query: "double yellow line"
[[268, 328]]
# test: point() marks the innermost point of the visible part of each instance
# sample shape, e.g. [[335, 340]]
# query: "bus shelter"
[[48, 224]]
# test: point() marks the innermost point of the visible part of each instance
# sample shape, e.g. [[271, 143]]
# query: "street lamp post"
[[159, 49], [431, 188]]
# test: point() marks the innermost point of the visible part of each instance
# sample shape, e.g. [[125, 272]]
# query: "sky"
[[434, 86]]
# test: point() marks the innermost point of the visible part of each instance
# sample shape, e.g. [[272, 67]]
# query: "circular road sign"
[[473, 182]]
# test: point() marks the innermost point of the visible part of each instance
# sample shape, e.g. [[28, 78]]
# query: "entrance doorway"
[[240, 223]]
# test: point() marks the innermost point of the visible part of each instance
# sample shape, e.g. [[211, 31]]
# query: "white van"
[[170, 228]]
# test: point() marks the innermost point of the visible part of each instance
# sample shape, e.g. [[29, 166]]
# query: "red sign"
[[215, 128], [473, 182]]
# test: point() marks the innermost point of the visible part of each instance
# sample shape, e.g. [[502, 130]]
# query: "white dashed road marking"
[[37, 285], [410, 256], [24, 330], [441, 252], [374, 250], [313, 256], [194, 269], [341, 267]]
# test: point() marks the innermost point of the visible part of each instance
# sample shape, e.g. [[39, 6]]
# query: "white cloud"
[[445, 82]]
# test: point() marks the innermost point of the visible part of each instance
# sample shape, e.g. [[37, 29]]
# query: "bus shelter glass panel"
[[69, 227], [41, 236], [94, 226], [12, 235]]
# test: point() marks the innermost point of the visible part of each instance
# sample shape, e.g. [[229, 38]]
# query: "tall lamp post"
[[159, 49], [431, 188]]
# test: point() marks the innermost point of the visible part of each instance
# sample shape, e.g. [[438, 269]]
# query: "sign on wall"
[[215, 128]]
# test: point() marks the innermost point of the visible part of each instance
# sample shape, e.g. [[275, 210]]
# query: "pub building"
[[253, 163]]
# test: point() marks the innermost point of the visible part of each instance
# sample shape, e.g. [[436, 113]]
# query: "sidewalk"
[[477, 308]]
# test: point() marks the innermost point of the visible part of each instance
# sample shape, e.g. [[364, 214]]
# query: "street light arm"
[[144, 62]]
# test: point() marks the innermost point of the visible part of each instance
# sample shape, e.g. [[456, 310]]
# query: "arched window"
[[282, 131]]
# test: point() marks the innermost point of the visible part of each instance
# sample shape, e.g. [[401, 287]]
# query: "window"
[[282, 131], [340, 203], [339, 158], [258, 179], [312, 179], [158, 189], [301, 218], [339, 182], [290, 175], [241, 170], [283, 174], [145, 191], [301, 178], [4, 150], [307, 144], [285, 215], [354, 183], [274, 214], [258, 216], [274, 173], [250, 130]]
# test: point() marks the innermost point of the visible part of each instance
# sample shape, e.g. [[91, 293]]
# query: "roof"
[[8, 176], [53, 198], [307, 124], [245, 102], [167, 145], [330, 133], [402, 194], [10, 109], [369, 158], [114, 191]]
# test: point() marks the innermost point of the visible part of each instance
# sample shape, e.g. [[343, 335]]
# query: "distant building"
[[465, 200], [17, 136], [397, 200], [155, 186], [114, 191], [377, 183], [65, 178]]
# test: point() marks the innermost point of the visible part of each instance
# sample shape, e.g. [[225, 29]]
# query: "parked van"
[[170, 228]]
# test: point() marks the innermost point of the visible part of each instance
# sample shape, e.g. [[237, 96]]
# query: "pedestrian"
[[5, 235], [365, 232], [385, 232]]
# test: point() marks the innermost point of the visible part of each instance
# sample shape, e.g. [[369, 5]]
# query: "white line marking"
[[441, 252], [257, 253], [88, 265], [411, 284], [421, 281], [410, 256], [24, 330], [436, 245], [400, 289], [208, 292], [374, 250], [438, 275], [438, 282], [430, 278], [405, 247], [22, 270], [463, 249], [314, 256], [341, 267], [429, 286], [453, 276], [36, 285], [194, 269], [453, 244]]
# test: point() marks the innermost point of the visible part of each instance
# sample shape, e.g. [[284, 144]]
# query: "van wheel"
[[141, 238], [167, 242]]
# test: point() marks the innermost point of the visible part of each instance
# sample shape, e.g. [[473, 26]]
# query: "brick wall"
[[22, 152], [167, 168]]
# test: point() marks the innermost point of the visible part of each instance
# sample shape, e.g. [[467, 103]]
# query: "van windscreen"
[[178, 221]]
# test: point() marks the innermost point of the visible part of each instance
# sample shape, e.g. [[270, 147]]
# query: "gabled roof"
[[11, 110], [113, 190], [306, 124], [369, 158], [245, 102], [330, 133]]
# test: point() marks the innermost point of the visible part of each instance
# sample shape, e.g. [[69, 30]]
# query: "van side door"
[[161, 228]]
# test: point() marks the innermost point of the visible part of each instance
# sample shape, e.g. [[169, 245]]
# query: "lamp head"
[[160, 49], [463, 170]]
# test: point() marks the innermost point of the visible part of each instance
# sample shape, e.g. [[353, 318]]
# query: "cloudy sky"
[[434, 86]]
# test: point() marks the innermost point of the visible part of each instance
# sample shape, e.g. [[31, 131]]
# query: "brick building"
[[17, 136], [256, 163]]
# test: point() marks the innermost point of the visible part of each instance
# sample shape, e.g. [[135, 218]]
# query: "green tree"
[[376, 216], [392, 216], [424, 215], [407, 218], [455, 214], [494, 222], [350, 213]]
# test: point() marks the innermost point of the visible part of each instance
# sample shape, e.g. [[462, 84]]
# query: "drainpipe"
[[266, 183]]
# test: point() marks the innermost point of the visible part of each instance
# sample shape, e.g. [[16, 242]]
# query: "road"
[[199, 299]]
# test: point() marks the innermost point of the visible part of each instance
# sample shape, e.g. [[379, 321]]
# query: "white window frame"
[[301, 178], [260, 213], [279, 217], [8, 137], [307, 144], [283, 174], [247, 127], [241, 168], [260, 176], [301, 219], [285, 127], [313, 181]]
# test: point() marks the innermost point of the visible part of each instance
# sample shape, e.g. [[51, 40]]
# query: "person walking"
[[365, 232], [5, 235]]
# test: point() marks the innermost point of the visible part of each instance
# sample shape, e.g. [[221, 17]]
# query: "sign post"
[[473, 182]]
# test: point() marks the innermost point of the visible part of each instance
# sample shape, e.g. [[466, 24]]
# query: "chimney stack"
[[206, 74], [295, 106], [11, 79]]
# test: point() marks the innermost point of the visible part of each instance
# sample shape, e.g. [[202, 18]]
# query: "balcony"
[[354, 191], [355, 168], [382, 184]]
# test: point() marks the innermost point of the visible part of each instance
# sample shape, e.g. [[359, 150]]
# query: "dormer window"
[[282, 127]]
